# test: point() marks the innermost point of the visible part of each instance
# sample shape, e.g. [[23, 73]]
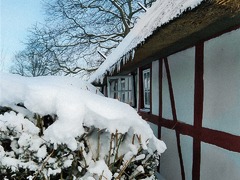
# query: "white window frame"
[[146, 88], [121, 88]]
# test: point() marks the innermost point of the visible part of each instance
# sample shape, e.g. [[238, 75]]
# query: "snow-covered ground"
[[75, 105]]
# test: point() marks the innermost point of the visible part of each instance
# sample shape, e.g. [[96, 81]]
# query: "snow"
[[77, 105], [51, 95], [100, 168], [18, 122], [140, 169], [42, 152], [140, 157], [2, 153], [53, 172], [10, 162], [159, 14], [68, 162]]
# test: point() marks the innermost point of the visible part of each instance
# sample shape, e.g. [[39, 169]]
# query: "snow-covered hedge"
[[63, 128]]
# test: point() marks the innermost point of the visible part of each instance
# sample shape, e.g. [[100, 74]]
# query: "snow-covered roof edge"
[[159, 14]]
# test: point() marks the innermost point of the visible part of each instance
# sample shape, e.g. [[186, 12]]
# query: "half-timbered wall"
[[221, 109], [155, 87], [154, 94], [222, 83], [197, 110], [181, 66], [178, 92]]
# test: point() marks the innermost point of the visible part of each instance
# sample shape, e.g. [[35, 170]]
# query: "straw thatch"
[[210, 18]]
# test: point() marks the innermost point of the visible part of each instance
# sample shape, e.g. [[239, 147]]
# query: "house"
[[180, 68]]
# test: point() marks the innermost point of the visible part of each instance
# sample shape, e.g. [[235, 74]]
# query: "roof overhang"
[[211, 18]]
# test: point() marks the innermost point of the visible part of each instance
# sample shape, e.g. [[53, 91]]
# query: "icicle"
[[102, 77], [126, 56], [110, 70], [119, 65], [124, 60], [129, 55], [133, 53], [96, 79]]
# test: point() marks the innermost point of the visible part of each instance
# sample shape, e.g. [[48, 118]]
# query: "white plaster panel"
[[166, 103], [222, 83], [182, 66], [155, 87], [219, 164], [187, 154], [154, 127], [170, 165]]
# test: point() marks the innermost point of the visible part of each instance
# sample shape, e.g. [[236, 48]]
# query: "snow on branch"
[[142, 6]]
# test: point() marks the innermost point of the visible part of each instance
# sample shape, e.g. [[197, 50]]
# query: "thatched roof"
[[209, 18]]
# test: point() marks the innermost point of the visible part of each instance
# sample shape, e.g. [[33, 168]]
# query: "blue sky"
[[17, 16]]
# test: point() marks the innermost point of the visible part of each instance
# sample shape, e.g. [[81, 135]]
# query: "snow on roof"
[[159, 14], [76, 104]]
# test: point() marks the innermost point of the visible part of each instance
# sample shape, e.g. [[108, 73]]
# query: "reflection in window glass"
[[121, 88], [146, 88]]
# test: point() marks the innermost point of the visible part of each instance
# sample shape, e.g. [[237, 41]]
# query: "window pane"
[[145, 97], [123, 84], [148, 98], [121, 88], [123, 97], [115, 96], [145, 83], [146, 88]]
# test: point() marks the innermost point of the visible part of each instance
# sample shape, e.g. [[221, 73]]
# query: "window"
[[146, 88], [121, 88]]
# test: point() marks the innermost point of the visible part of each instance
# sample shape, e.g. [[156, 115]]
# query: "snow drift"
[[63, 119]]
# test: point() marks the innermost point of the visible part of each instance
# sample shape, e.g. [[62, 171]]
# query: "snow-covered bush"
[[62, 128]]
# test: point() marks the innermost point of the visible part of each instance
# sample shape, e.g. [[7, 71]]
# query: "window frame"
[[146, 88], [124, 89]]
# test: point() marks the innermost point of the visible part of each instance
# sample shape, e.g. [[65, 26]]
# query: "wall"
[[222, 83], [182, 75], [169, 167], [155, 87], [202, 156], [221, 104], [181, 67], [202, 135], [219, 164]]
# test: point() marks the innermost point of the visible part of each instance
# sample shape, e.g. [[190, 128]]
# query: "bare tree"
[[27, 63], [75, 30]]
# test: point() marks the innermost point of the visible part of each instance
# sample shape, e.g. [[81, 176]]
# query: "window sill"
[[145, 110]]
